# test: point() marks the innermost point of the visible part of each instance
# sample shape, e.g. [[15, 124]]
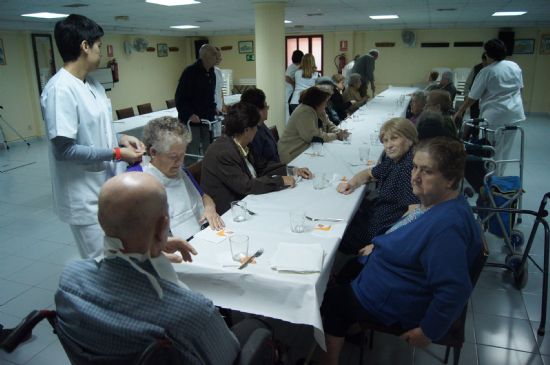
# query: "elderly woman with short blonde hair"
[[393, 184], [352, 93]]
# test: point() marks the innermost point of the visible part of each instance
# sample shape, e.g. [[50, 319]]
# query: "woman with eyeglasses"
[[166, 140]]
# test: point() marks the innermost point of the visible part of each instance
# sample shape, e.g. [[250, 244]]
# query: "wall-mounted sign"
[[251, 57], [343, 46]]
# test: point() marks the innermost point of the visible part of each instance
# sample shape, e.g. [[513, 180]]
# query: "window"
[[308, 44]]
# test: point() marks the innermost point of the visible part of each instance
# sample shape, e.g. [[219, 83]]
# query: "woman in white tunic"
[[84, 148], [498, 88], [304, 79], [166, 140]]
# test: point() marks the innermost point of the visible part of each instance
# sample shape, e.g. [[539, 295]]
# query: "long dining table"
[[259, 288]]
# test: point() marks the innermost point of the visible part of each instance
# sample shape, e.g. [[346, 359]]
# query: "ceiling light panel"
[[509, 13], [172, 2], [45, 15], [379, 17]]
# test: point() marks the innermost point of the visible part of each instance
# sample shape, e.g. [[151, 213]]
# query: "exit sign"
[[251, 57]]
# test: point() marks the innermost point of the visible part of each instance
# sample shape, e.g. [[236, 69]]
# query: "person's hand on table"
[[195, 119], [180, 245], [342, 134], [132, 142], [345, 188], [416, 337], [289, 181], [304, 172], [367, 250], [213, 218]]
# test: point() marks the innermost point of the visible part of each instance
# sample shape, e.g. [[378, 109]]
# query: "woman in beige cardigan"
[[309, 123]]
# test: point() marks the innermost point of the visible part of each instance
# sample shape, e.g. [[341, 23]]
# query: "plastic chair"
[[454, 338], [144, 108], [125, 113]]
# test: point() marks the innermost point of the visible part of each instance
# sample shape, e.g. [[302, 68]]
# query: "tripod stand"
[[10, 127]]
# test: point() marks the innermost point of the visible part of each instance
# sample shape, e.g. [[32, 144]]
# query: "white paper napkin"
[[298, 258]]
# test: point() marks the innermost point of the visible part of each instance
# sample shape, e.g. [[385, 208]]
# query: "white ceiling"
[[237, 16]]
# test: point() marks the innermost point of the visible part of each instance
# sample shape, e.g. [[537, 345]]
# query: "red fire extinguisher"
[[114, 69], [340, 62]]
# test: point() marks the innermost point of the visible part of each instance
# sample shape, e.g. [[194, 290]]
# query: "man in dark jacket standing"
[[195, 97]]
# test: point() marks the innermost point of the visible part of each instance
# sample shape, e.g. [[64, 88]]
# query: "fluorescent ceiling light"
[[173, 2], [288, 21], [509, 13], [46, 15], [377, 17], [184, 26]]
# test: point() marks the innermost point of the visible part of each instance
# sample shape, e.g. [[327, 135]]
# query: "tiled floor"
[[34, 246]]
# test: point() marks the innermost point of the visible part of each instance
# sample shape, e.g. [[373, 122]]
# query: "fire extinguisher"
[[340, 62], [114, 69]]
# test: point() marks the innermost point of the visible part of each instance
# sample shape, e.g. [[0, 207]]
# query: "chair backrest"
[[275, 133], [144, 108], [170, 103], [195, 170], [125, 113]]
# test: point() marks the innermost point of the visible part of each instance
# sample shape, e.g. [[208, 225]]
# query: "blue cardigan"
[[418, 275]]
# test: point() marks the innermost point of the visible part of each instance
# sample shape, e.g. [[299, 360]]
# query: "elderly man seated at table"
[[393, 194], [353, 95], [309, 123], [121, 304], [263, 146], [440, 101], [229, 170], [416, 276], [166, 141]]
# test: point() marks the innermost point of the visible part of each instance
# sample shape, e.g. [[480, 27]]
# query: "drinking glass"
[[364, 154], [319, 181], [297, 221], [238, 209], [239, 246]]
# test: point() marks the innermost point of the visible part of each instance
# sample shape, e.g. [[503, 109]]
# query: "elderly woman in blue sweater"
[[416, 275]]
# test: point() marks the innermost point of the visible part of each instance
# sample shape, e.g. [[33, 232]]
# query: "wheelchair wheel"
[[517, 239], [520, 273]]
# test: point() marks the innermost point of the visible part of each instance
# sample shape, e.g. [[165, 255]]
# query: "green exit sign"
[[251, 57]]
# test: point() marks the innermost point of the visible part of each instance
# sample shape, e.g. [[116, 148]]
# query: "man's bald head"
[[208, 55], [133, 208]]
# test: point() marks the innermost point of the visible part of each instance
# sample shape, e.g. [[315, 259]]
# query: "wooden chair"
[[144, 108], [454, 337], [125, 113], [170, 104], [195, 170], [275, 133]]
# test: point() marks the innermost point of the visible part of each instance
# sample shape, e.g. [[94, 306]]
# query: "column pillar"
[[270, 57]]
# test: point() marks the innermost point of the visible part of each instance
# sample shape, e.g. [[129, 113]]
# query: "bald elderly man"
[[195, 97], [120, 304]]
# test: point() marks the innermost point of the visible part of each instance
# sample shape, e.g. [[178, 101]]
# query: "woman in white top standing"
[[290, 72], [498, 89], [304, 79], [84, 149], [166, 140]]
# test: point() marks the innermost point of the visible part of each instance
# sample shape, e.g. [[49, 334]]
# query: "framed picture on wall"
[[162, 50], [524, 46], [2, 53], [545, 44], [246, 46]]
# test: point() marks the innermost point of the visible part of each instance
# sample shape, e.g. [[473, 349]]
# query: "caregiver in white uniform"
[[84, 148]]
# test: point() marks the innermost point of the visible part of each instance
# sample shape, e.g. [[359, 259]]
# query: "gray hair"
[[206, 48], [374, 51], [354, 79], [448, 75], [161, 133], [420, 96]]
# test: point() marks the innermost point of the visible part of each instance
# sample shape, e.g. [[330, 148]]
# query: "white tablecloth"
[[296, 298]]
